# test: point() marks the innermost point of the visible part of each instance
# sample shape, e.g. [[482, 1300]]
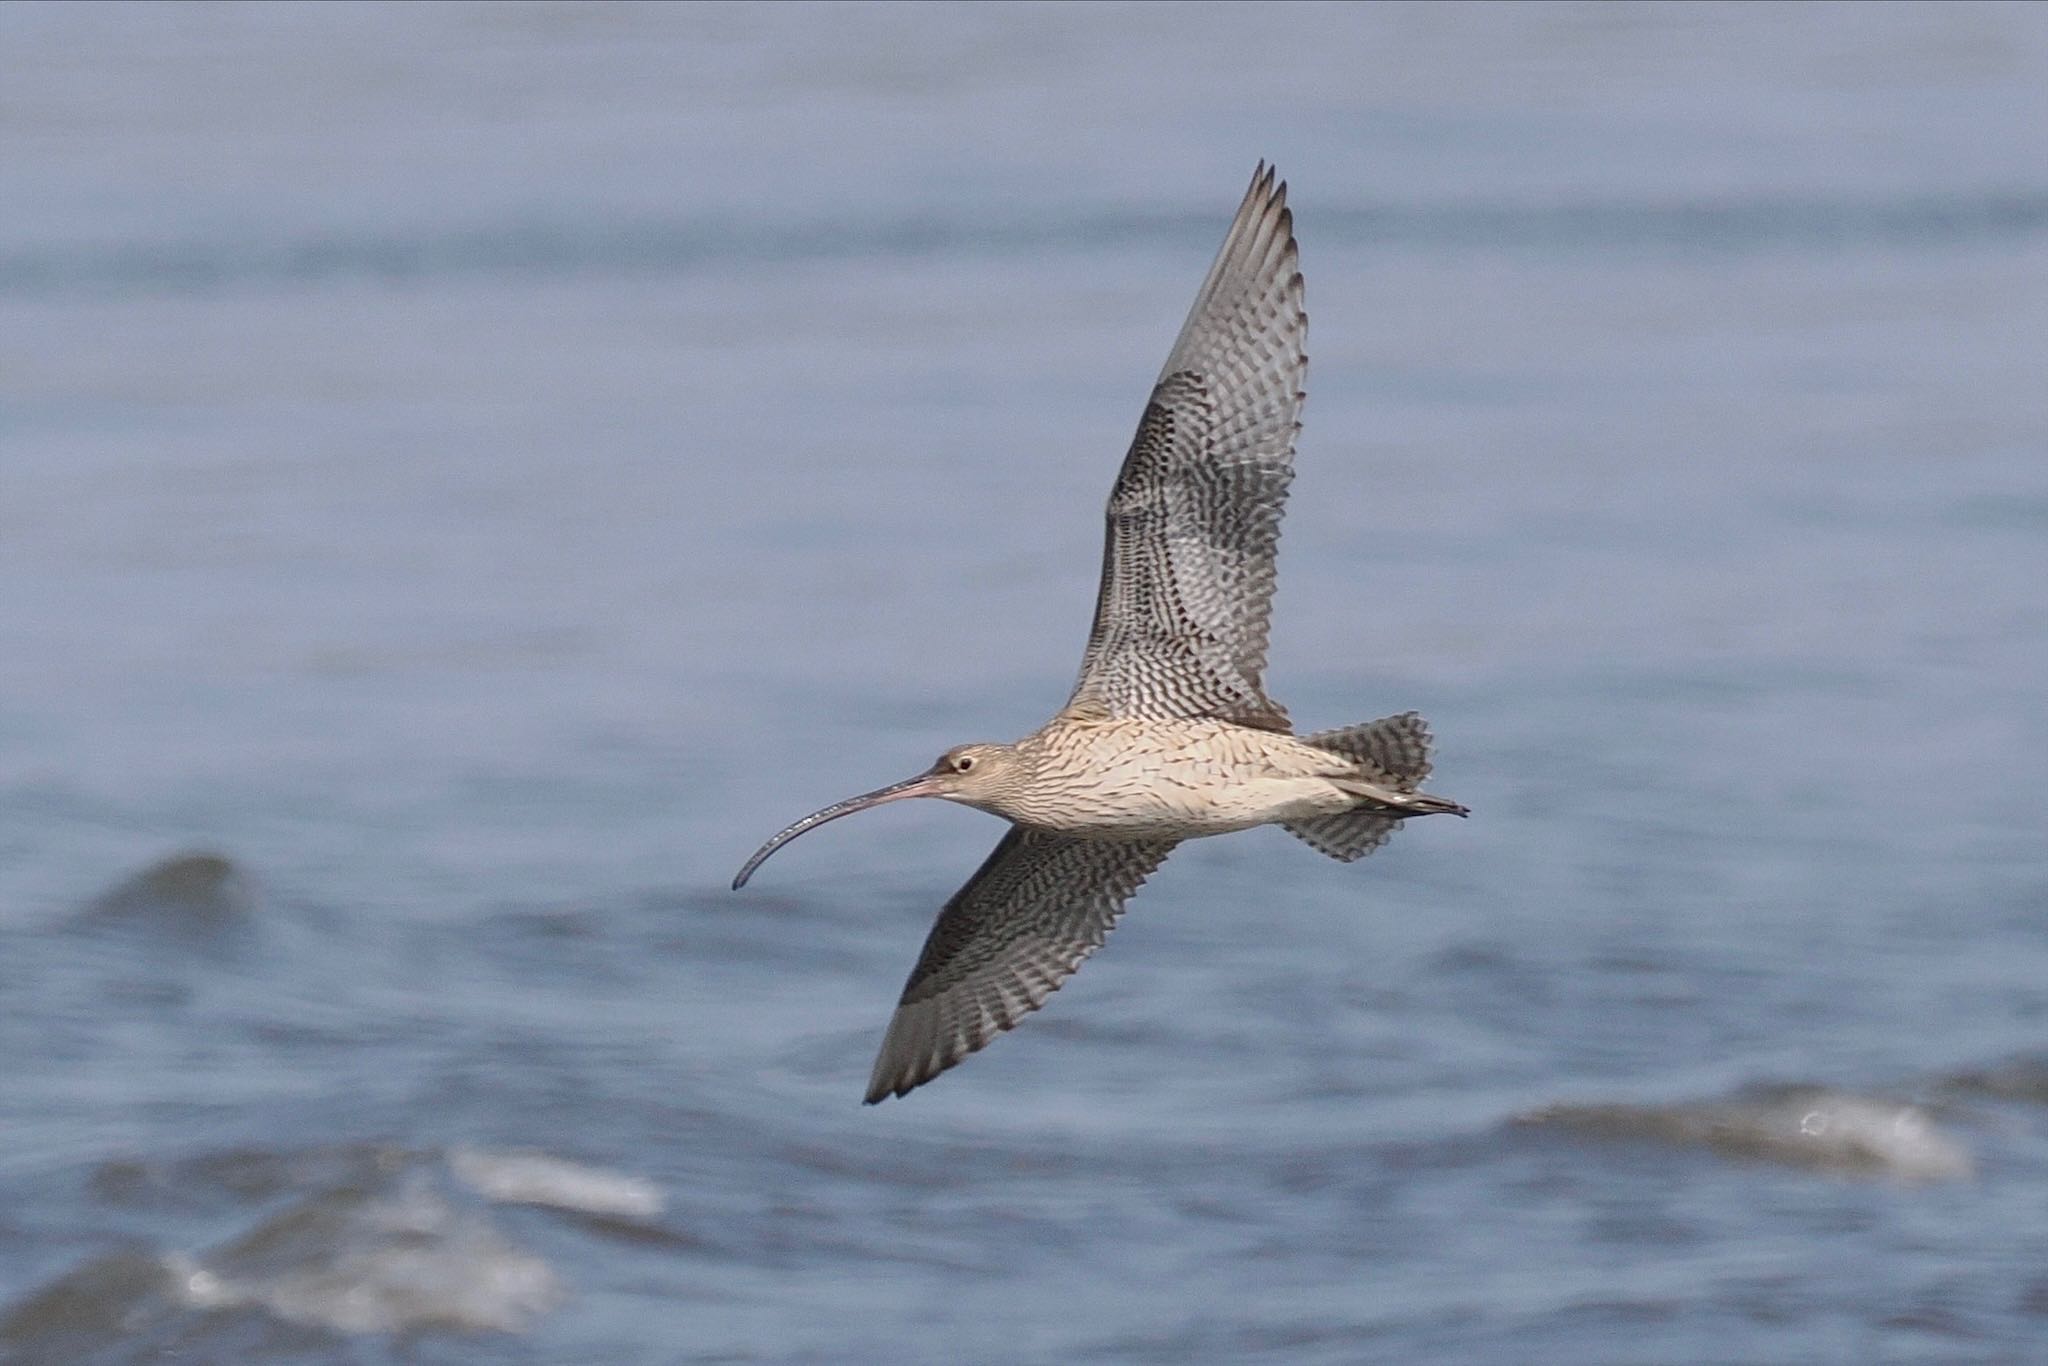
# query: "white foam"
[[531, 1178], [393, 1263], [1806, 1126], [1901, 1140]]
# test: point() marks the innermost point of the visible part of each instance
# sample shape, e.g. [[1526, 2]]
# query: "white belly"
[[1121, 790]]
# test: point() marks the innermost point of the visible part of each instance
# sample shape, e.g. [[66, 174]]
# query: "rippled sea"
[[468, 474]]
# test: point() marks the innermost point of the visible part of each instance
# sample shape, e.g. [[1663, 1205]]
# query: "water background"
[[479, 470]]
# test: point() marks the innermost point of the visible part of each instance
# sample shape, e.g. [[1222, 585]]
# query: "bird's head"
[[978, 775]]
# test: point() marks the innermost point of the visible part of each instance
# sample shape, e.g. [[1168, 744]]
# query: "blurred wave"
[[662, 247], [349, 1240], [1838, 1132], [193, 893]]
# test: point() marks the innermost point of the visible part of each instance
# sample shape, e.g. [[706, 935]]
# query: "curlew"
[[1169, 734]]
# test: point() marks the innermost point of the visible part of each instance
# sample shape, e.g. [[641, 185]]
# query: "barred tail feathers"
[[1393, 752]]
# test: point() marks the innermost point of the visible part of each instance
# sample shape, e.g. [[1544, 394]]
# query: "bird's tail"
[[1392, 756]]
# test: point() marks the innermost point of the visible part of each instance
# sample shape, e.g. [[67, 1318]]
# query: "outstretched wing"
[[1026, 919], [1194, 520]]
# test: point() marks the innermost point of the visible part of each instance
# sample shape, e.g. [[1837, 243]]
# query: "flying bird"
[[1169, 734]]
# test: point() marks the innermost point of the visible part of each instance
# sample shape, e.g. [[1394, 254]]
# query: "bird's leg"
[[1403, 804], [1424, 804]]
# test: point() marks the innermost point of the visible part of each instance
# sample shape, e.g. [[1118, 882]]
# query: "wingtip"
[[1266, 184], [879, 1090]]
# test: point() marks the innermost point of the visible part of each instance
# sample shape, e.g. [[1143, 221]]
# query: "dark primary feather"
[[1182, 617], [1023, 923]]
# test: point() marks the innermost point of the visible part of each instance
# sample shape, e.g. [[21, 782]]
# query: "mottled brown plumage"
[[1169, 734], [1040, 904]]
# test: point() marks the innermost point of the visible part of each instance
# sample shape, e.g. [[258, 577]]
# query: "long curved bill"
[[923, 785]]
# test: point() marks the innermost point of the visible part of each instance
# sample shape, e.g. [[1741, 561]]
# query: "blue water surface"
[[469, 473]]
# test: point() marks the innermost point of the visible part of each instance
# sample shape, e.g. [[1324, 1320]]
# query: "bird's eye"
[[963, 763]]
